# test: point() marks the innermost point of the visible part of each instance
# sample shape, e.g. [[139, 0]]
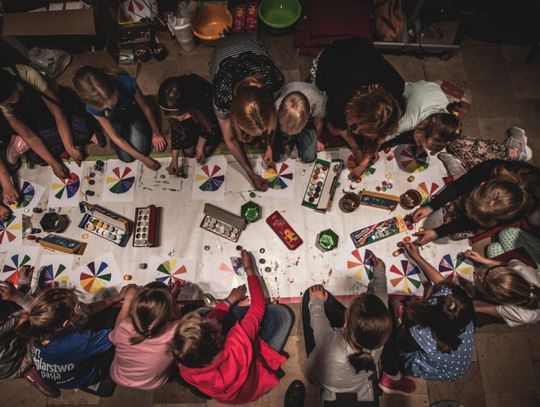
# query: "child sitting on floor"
[[142, 337], [241, 365], [301, 108], [344, 345], [494, 193], [513, 290], [66, 354], [436, 342], [186, 100]]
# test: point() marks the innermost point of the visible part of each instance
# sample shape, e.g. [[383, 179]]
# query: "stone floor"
[[504, 92]]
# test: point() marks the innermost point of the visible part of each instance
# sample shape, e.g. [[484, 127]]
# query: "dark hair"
[[8, 85], [368, 327], [441, 128], [446, 316], [151, 310], [181, 94]]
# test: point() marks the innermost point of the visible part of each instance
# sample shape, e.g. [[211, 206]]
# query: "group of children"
[[233, 353]]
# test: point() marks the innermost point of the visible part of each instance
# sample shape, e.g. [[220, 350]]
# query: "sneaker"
[[453, 164], [36, 380], [295, 394], [517, 144], [404, 385]]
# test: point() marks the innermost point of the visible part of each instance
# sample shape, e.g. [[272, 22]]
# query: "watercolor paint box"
[[322, 184], [222, 222], [106, 224], [284, 231], [147, 226], [378, 200], [62, 244], [378, 231]]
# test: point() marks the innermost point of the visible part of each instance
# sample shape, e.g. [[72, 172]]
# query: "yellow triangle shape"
[[16, 226], [56, 186], [200, 177], [110, 180]]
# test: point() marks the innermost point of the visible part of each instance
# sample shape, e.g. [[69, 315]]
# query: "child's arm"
[[403, 138], [251, 321], [430, 272], [173, 166], [486, 308], [220, 311], [199, 149], [319, 126], [478, 258], [317, 316], [35, 143], [158, 141], [9, 193], [378, 284], [124, 145], [127, 293], [96, 307]]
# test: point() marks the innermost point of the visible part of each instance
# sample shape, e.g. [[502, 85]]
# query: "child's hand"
[[60, 170], [259, 182], [4, 213], [268, 159], [128, 292], [158, 142], [425, 237], [247, 262], [199, 154], [237, 294], [318, 292], [173, 169], [478, 258], [175, 288], [8, 292], [10, 194], [378, 262], [412, 250], [421, 213], [151, 163]]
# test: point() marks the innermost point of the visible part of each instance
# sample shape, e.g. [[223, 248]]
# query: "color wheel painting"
[[65, 192], [211, 179], [27, 194], [68, 188], [95, 277], [12, 266], [55, 275], [455, 268], [412, 158], [121, 181], [404, 278], [170, 271], [279, 179], [361, 267], [427, 190], [10, 229]]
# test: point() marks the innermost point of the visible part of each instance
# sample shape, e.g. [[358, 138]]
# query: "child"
[[497, 193], [243, 79], [297, 104], [15, 360], [118, 105], [65, 354], [186, 101], [240, 366], [344, 346], [364, 93], [10, 195], [514, 238], [142, 337], [513, 290], [438, 334], [36, 114]]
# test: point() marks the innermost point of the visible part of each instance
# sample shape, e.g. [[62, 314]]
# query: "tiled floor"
[[504, 91]]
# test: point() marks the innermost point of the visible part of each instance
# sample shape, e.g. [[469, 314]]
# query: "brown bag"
[[388, 20]]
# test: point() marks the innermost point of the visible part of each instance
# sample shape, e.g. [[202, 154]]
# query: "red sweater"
[[245, 369]]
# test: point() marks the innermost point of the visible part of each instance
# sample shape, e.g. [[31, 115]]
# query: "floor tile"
[[484, 63], [536, 365], [512, 399], [523, 77], [213, 403], [533, 335], [174, 393], [124, 397], [69, 397], [410, 67], [492, 99], [451, 71], [20, 393], [395, 400], [505, 362], [468, 390], [495, 128], [280, 49], [180, 405]]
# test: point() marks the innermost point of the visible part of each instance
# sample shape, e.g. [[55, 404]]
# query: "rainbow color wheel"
[[169, 273], [27, 194], [406, 277], [427, 190], [8, 229], [279, 179], [412, 158], [17, 261], [361, 267], [95, 278], [455, 269], [122, 181], [213, 178], [69, 187], [54, 274]]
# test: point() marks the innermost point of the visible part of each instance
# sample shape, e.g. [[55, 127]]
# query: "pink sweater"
[[144, 366]]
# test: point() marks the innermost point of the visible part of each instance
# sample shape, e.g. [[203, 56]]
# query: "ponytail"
[[362, 361], [506, 286]]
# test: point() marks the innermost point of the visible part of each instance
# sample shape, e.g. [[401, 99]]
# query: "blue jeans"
[[275, 327], [305, 142], [133, 127]]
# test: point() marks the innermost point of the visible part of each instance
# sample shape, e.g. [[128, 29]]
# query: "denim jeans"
[[305, 142], [133, 127], [275, 327]]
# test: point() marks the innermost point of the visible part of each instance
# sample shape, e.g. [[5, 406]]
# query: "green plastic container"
[[251, 211], [279, 13], [327, 240]]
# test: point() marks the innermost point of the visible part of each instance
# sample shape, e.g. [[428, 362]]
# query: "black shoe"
[[295, 394]]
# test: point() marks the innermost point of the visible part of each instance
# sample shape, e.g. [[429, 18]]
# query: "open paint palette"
[[222, 222], [322, 184], [106, 224], [146, 230]]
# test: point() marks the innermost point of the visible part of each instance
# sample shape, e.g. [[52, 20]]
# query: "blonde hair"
[[506, 286], [252, 109], [505, 197], [49, 312], [151, 309], [197, 340], [373, 111], [94, 86], [294, 112]]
